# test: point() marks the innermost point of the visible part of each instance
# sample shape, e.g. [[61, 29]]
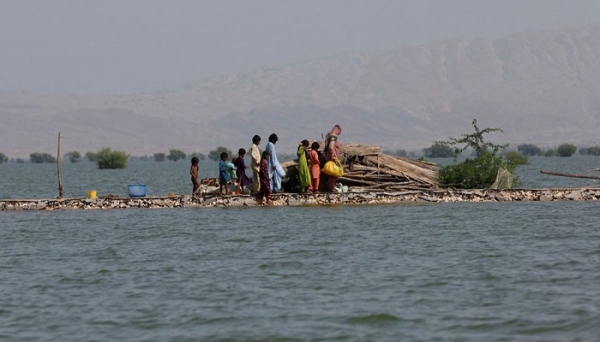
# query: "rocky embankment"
[[288, 199]]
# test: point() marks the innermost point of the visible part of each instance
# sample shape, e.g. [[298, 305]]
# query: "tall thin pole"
[[60, 187]]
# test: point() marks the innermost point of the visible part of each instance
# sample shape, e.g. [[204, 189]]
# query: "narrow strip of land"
[[292, 199]]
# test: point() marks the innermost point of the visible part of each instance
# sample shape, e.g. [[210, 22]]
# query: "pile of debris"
[[367, 168]]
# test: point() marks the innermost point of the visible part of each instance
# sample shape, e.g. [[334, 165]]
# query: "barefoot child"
[[240, 164], [194, 174], [265, 181], [224, 177]]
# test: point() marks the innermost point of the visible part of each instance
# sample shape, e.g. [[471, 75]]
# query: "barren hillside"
[[539, 87]]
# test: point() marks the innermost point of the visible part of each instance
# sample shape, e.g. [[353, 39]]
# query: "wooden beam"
[[571, 175]]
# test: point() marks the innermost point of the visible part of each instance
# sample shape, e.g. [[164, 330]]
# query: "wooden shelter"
[[367, 168]]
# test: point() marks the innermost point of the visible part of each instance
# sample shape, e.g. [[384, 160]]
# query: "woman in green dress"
[[303, 172]]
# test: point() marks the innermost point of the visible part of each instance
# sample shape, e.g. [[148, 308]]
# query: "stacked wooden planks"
[[367, 168]]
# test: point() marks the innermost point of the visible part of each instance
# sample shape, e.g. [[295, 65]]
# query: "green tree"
[[529, 149], [39, 158], [516, 158], [551, 152], [91, 156], [480, 171], [176, 155], [438, 150], [593, 151], [3, 158], [73, 156], [397, 153], [216, 153], [197, 155], [159, 157], [107, 159], [566, 150]]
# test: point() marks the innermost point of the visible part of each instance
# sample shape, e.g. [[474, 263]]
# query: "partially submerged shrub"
[[39, 158], [73, 156], [516, 158], [566, 150], [439, 150], [176, 155], [529, 149], [216, 153], [107, 159], [478, 172]]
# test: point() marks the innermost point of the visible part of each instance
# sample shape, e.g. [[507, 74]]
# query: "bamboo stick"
[[60, 187], [572, 175]]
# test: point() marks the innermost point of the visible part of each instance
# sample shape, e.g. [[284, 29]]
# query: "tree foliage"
[[176, 155], [516, 158], [159, 157], [39, 158], [3, 158], [91, 156], [107, 159], [480, 171], [529, 149], [197, 155], [566, 150], [439, 150], [397, 153], [592, 151], [73, 156], [216, 153]]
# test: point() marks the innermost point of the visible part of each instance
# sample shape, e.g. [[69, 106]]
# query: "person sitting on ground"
[[240, 164], [194, 174], [224, 177]]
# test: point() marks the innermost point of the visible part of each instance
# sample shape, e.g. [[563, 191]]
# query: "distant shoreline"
[[319, 199]]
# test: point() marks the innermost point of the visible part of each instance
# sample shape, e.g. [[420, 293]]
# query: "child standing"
[[265, 181], [240, 164], [224, 177], [315, 167], [194, 174]]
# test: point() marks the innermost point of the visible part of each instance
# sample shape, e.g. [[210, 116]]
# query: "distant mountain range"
[[539, 87]]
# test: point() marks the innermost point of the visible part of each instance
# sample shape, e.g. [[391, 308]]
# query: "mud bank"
[[288, 199]]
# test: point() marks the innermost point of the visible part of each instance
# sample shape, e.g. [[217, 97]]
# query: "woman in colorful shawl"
[[332, 151], [303, 172], [276, 172], [240, 164]]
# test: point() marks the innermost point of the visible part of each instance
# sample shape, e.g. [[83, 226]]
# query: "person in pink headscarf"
[[332, 151]]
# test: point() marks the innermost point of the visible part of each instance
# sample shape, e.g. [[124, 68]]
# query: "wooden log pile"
[[367, 168]]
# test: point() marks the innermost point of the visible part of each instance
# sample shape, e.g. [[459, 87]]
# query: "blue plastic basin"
[[137, 190]]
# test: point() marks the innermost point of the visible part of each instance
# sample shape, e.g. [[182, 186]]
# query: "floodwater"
[[427, 272]]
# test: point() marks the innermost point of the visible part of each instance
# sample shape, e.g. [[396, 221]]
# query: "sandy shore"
[[291, 199]]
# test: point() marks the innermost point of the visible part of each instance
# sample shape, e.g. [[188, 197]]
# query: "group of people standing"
[[267, 171]]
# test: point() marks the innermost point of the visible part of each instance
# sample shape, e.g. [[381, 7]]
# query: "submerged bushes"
[[479, 172], [107, 159]]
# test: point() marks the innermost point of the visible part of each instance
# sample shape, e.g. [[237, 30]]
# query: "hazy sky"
[[114, 46]]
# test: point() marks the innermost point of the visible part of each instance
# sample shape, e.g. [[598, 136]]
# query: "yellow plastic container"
[[92, 194]]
